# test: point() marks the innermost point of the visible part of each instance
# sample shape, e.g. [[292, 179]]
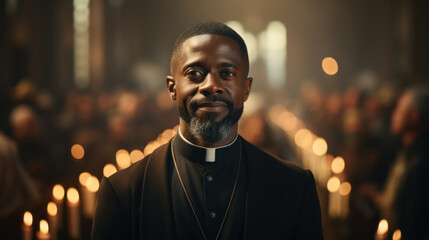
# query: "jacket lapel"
[[155, 209]]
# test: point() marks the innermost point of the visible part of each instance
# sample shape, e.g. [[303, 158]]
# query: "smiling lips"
[[216, 106]]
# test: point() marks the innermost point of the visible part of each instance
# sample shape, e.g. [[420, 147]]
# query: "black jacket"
[[282, 202]]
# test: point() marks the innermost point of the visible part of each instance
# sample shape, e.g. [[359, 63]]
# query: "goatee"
[[208, 129]]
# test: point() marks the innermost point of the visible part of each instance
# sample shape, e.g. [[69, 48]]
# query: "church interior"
[[83, 95]]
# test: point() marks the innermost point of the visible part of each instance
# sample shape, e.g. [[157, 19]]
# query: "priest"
[[208, 182]]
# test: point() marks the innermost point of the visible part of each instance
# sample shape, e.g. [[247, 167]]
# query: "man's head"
[[209, 68], [412, 112]]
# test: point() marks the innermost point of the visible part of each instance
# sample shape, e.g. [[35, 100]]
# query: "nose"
[[211, 85]]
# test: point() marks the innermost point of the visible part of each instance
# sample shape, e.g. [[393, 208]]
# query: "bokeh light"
[[330, 66]]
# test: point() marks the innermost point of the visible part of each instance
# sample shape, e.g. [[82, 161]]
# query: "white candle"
[[53, 219], [73, 213], [43, 233], [58, 197], [334, 207], [27, 228], [92, 185], [345, 189], [83, 177], [383, 228]]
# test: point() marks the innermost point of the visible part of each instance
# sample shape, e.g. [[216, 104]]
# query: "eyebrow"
[[194, 64]]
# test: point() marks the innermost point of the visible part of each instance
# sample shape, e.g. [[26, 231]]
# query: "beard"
[[208, 129]]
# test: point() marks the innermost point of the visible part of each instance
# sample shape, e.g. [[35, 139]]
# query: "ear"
[[247, 88], [171, 86]]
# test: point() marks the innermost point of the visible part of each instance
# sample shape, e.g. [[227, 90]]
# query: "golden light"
[[83, 177], [73, 195], [383, 227], [109, 170], [123, 160], [320, 147], [120, 152], [52, 209], [345, 188], [338, 165], [397, 235], [290, 123], [136, 155], [330, 66], [77, 151], [274, 112], [149, 148], [44, 226], [58, 192], [167, 135], [303, 138], [28, 219], [333, 184], [92, 184]]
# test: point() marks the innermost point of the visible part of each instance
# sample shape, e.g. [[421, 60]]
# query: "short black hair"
[[210, 28]]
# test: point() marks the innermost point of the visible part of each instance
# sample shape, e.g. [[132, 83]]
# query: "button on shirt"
[[209, 185]]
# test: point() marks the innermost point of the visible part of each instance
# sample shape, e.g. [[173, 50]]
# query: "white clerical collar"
[[210, 152]]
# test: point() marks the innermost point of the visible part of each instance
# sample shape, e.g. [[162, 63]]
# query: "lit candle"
[[383, 228], [73, 213], [334, 207], [43, 233], [53, 219], [345, 189], [27, 228], [83, 177], [109, 170], [397, 235], [92, 185], [58, 197]]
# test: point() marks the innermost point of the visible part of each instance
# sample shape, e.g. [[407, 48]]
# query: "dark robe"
[[281, 199]]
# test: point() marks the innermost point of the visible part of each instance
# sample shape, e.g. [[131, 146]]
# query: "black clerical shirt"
[[209, 186]]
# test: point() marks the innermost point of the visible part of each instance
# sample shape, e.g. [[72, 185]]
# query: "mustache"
[[212, 98]]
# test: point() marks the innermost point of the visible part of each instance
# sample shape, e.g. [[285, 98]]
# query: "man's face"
[[209, 81]]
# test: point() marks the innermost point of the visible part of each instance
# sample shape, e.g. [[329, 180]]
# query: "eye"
[[227, 74], [194, 75]]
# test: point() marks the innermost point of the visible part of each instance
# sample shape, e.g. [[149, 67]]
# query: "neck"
[[184, 130]]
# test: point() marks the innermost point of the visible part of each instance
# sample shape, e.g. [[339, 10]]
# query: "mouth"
[[215, 106]]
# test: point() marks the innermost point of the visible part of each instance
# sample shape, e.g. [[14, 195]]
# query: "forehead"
[[210, 48]]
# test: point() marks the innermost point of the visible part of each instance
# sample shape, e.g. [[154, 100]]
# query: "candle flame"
[[333, 184], [303, 138], [121, 151], [383, 227], [52, 209], [123, 160], [109, 169], [83, 177], [330, 66], [338, 165], [92, 184], [397, 235], [28, 219], [58, 192], [73, 195], [77, 151], [136, 155], [345, 188], [44, 226], [320, 147]]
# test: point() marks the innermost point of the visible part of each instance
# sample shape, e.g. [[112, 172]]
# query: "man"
[[208, 182], [404, 197]]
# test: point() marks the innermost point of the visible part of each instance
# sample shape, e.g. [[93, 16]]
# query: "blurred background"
[[82, 90]]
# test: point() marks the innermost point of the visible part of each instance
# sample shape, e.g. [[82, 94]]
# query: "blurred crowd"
[[381, 132]]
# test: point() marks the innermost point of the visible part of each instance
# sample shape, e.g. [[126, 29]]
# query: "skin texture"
[[209, 80]]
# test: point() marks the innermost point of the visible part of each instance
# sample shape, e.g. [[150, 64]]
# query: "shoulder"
[[127, 183], [268, 169]]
